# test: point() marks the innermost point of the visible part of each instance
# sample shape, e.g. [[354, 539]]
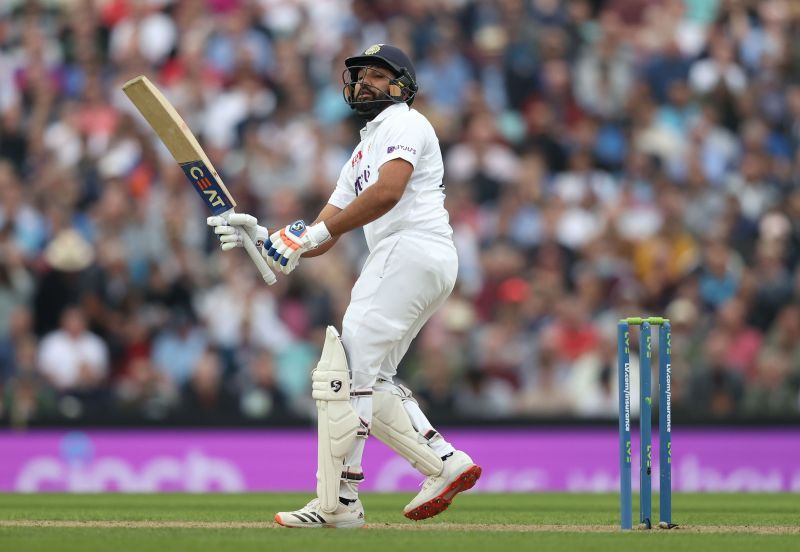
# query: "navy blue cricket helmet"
[[402, 89]]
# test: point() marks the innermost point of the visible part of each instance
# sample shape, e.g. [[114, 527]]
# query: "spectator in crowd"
[[27, 396], [602, 160], [204, 394], [74, 361], [718, 71], [717, 389], [769, 395], [144, 392], [591, 389], [745, 340], [179, 348], [259, 392], [239, 311], [546, 392], [19, 329]]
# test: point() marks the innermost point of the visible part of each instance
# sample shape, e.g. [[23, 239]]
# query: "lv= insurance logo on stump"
[[664, 421]]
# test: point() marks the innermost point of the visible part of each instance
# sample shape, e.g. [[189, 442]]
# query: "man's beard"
[[371, 105]]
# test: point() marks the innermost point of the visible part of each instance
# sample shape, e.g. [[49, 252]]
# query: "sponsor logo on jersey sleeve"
[[392, 149]]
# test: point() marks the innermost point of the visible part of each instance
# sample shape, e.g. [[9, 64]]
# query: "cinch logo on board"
[[77, 468], [210, 188]]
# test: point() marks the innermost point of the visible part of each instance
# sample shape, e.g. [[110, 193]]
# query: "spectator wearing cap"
[[68, 256]]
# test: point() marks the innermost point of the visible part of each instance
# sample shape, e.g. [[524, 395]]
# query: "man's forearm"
[[373, 203]]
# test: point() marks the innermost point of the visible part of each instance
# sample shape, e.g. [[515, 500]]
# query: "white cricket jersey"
[[398, 132]]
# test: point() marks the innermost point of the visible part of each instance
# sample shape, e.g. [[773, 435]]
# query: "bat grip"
[[258, 259], [255, 254]]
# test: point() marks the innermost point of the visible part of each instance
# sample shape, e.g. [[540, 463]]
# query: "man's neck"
[[385, 112]]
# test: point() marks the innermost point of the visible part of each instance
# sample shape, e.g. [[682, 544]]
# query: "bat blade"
[[181, 143], [174, 133]]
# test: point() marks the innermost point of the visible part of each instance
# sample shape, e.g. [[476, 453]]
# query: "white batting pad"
[[391, 425], [337, 423]]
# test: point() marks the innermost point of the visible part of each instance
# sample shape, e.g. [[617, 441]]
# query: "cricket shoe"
[[458, 474], [311, 515]]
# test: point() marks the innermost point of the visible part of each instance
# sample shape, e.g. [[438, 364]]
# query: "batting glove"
[[230, 230], [286, 245]]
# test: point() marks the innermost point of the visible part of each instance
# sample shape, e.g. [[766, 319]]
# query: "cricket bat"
[[184, 147]]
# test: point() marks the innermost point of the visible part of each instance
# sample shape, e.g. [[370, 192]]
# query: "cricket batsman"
[[392, 187]]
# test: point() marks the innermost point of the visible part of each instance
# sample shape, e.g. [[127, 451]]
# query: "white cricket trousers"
[[405, 279]]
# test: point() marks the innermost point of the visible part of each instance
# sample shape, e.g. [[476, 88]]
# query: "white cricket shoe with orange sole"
[[459, 474], [312, 516]]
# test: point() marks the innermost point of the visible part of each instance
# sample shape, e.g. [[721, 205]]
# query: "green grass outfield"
[[505, 522]]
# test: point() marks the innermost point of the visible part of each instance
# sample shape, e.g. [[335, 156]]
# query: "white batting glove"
[[229, 230], [286, 245]]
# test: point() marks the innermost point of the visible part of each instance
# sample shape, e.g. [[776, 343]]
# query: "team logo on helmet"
[[373, 49]]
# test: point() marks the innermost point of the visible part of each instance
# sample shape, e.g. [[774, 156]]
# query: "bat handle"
[[258, 259], [255, 254]]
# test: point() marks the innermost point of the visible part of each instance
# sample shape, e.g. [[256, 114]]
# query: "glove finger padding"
[[278, 262], [290, 265], [280, 252], [235, 239], [224, 230], [271, 246], [242, 219], [271, 262]]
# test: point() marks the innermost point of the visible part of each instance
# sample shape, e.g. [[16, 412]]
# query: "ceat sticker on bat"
[[207, 185]]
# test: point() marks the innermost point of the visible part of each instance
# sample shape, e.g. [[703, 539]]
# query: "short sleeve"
[[405, 139], [345, 192]]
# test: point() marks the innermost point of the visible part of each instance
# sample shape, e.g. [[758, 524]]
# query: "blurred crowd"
[[603, 159]]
